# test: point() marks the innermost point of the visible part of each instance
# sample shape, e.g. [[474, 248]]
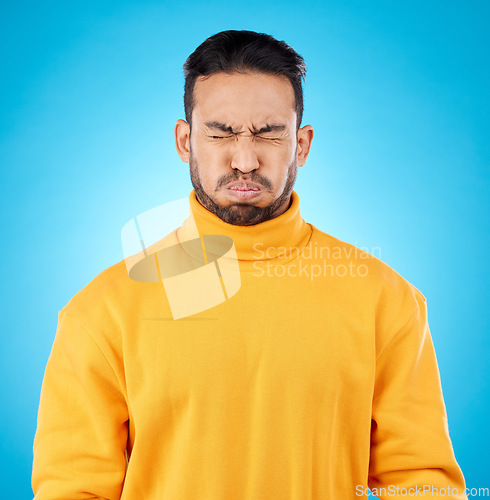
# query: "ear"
[[305, 136], [182, 140]]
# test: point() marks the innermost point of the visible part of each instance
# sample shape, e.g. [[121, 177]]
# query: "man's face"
[[243, 148]]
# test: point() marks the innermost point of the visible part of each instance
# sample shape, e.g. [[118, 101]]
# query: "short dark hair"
[[241, 51]]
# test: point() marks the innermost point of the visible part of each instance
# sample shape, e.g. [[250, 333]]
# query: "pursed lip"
[[244, 186]]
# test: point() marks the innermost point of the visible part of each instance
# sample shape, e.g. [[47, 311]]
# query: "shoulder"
[[388, 300], [106, 304], [99, 291], [371, 279]]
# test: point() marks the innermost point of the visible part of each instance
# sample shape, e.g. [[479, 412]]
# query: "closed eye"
[[268, 138], [255, 137]]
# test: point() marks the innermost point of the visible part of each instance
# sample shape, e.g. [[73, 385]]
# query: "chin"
[[226, 200]]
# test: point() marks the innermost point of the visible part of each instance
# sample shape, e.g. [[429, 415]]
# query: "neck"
[[277, 240]]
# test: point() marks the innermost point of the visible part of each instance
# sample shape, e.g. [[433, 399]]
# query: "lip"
[[244, 190]]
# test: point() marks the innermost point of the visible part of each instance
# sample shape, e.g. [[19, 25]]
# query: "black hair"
[[241, 51]]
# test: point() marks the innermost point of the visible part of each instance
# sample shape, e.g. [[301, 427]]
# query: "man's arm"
[[410, 444], [81, 437]]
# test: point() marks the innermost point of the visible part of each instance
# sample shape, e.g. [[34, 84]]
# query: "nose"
[[244, 157]]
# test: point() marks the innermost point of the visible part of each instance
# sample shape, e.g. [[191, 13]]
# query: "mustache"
[[235, 176]]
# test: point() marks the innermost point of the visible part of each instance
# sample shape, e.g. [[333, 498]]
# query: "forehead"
[[237, 98]]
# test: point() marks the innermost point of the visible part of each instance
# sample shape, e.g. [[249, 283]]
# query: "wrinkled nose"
[[244, 156]]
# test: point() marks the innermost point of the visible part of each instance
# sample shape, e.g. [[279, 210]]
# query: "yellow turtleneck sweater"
[[313, 379]]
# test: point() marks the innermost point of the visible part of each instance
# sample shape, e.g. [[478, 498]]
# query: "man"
[[315, 380]]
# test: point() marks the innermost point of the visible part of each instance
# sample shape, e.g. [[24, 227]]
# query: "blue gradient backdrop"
[[397, 93]]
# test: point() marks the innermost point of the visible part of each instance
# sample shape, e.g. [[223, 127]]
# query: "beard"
[[243, 214]]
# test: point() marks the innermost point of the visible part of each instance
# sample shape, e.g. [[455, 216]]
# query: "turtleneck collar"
[[277, 240]]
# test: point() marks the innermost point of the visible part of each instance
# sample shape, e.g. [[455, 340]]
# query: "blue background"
[[397, 94]]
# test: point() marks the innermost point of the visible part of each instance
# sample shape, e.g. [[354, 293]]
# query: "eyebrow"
[[227, 128]]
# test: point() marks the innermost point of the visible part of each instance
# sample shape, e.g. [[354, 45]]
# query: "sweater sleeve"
[[82, 429], [410, 443]]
